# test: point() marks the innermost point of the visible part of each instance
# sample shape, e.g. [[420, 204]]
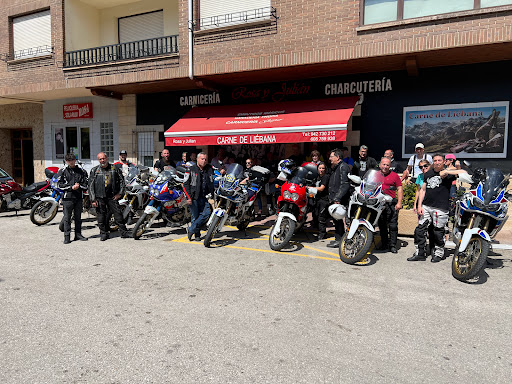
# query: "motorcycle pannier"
[[259, 174]]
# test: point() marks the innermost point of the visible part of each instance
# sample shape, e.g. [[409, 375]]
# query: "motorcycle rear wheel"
[[466, 265], [285, 234], [43, 212], [212, 229], [140, 226], [354, 250]]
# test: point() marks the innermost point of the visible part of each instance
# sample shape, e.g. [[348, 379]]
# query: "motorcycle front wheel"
[[43, 212], [140, 226], [354, 250], [278, 242], [212, 229], [467, 264]]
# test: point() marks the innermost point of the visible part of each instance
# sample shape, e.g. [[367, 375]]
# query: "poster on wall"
[[59, 143], [473, 130]]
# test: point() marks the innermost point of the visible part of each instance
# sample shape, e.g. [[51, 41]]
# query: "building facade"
[[428, 71]]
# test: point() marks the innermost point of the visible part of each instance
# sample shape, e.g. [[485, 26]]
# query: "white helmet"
[[337, 211]]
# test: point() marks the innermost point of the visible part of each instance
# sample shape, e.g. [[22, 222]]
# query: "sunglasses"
[[424, 166]]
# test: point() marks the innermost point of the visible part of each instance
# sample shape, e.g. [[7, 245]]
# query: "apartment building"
[[85, 76]]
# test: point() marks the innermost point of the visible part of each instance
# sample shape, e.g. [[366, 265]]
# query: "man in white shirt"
[[413, 168]]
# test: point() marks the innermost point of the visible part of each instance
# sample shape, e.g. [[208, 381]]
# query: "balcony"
[[160, 46]]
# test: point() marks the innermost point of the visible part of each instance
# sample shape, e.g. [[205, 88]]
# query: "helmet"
[[287, 166], [182, 174], [337, 211]]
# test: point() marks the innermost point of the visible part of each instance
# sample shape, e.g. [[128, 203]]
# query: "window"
[[146, 148], [214, 13], [107, 139], [32, 35], [142, 29], [74, 140], [379, 11]]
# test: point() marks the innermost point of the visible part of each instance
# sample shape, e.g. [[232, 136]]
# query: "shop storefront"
[[448, 109], [83, 126]]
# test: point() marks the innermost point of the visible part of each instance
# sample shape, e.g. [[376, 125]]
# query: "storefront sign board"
[[77, 111]]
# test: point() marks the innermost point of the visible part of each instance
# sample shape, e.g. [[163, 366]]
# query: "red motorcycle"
[[292, 205], [15, 197]]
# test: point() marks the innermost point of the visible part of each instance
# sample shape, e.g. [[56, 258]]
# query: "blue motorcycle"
[[47, 207], [167, 201]]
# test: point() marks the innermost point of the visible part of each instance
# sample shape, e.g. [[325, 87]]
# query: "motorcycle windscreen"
[[133, 172], [372, 183], [165, 176], [493, 183], [234, 173], [303, 175]]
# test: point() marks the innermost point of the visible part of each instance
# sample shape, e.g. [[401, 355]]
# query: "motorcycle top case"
[[259, 174]]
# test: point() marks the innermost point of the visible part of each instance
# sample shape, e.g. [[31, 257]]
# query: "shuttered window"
[[32, 35], [141, 27], [213, 13]]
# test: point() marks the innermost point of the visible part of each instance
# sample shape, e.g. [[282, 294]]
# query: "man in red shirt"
[[388, 221]]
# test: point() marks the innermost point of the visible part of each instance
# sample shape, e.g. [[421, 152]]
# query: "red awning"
[[321, 120]]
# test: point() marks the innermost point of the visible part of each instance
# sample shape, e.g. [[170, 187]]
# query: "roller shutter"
[[32, 35]]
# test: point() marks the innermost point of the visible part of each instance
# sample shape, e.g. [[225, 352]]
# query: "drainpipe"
[[190, 40]]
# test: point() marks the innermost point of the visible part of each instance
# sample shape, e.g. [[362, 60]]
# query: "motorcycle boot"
[[78, 236], [416, 256], [104, 236], [67, 239]]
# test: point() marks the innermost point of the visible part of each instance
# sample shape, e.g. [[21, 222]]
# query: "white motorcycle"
[[364, 210], [479, 216], [136, 197]]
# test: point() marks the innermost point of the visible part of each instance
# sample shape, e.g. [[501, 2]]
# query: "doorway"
[[22, 156]]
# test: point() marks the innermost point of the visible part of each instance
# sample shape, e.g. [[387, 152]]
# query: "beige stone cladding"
[[22, 115]]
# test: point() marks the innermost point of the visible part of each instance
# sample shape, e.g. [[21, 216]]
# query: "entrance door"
[[23, 156]]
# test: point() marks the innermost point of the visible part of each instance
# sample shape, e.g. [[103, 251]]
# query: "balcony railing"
[[122, 52], [237, 18]]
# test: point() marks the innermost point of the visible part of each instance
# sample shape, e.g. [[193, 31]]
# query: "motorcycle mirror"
[[388, 199], [355, 179], [467, 163], [466, 178]]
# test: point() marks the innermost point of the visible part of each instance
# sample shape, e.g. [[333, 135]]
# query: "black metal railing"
[[236, 18], [124, 51], [27, 53]]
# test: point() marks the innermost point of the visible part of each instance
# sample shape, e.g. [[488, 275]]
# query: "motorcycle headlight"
[[360, 198], [478, 203], [287, 195], [294, 196], [494, 207], [372, 201]]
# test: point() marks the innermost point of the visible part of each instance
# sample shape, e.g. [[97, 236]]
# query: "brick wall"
[[307, 32], [23, 116]]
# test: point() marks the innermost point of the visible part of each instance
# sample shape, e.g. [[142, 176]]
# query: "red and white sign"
[[288, 122], [77, 111]]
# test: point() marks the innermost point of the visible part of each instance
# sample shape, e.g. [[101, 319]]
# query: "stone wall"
[[23, 115]]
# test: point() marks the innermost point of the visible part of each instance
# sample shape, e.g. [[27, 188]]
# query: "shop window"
[[32, 35], [74, 140], [380, 11], [107, 139], [215, 14]]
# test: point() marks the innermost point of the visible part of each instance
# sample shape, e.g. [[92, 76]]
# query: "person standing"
[[164, 162], [124, 164], [220, 159], [364, 163], [413, 168], [388, 220], [339, 186], [72, 180], [197, 187], [322, 201], [183, 161], [433, 208], [347, 159], [395, 166], [106, 186]]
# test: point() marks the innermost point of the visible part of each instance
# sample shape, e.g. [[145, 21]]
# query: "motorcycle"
[[234, 200], [364, 210], [47, 207], [167, 201], [479, 215], [292, 204], [15, 197], [136, 197]]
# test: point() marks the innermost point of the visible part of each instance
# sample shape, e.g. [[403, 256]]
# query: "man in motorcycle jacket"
[[388, 220], [433, 208], [339, 186], [197, 187], [106, 186], [72, 180]]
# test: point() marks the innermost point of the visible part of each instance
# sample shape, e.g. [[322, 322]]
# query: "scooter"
[[15, 197], [479, 215], [234, 200], [364, 210], [292, 204], [167, 201]]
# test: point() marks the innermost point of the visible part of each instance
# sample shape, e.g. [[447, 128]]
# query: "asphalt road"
[[165, 310]]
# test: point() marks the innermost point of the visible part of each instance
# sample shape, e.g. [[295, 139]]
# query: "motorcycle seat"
[[34, 187]]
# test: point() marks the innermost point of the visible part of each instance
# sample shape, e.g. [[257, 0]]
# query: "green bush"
[[409, 195]]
